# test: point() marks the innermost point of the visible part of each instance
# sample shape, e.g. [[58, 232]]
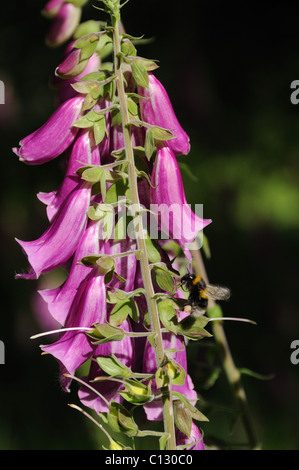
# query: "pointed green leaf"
[[117, 189], [193, 327], [113, 366], [149, 146], [87, 44], [135, 315], [105, 333], [83, 122], [195, 413], [99, 130], [132, 107], [152, 249], [167, 314], [87, 27], [92, 174], [139, 73], [89, 260], [127, 48], [137, 393], [84, 86], [163, 441], [148, 64], [161, 134], [164, 280], [105, 263], [126, 421], [182, 418], [120, 312], [108, 277]]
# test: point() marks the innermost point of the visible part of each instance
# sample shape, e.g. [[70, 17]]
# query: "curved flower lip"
[[73, 348], [53, 137], [64, 24], [168, 199], [124, 350], [60, 299], [60, 240], [81, 153], [158, 111]]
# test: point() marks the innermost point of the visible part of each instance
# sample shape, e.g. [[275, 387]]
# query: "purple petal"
[[167, 195], [158, 110], [64, 24], [124, 351], [67, 66], [182, 439], [117, 137], [153, 410], [125, 265], [74, 348], [41, 314], [82, 153], [60, 299], [60, 240], [52, 7], [65, 90], [54, 137]]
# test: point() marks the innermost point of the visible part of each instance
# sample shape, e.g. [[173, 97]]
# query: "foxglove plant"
[[120, 307]]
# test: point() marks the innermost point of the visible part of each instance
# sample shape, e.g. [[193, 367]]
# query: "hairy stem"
[[144, 263], [231, 371]]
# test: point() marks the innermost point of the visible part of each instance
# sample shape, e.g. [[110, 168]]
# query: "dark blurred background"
[[227, 68]]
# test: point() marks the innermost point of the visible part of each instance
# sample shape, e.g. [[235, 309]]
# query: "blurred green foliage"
[[228, 70]]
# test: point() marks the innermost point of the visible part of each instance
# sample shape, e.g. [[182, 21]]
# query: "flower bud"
[[71, 65], [64, 25], [115, 446], [52, 8]]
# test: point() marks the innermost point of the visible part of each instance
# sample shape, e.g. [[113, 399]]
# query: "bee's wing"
[[217, 292]]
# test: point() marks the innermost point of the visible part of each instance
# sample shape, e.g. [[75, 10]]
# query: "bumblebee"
[[200, 293]]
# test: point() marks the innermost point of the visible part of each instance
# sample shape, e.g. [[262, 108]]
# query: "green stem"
[[232, 373], [144, 263]]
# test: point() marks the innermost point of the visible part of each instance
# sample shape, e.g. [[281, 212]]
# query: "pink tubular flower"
[[69, 66], [83, 152], [64, 24], [60, 240], [117, 137], [74, 347], [153, 409], [54, 137], [124, 350], [158, 111], [52, 7], [125, 265], [60, 299], [109, 286], [63, 85], [195, 436], [168, 199]]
